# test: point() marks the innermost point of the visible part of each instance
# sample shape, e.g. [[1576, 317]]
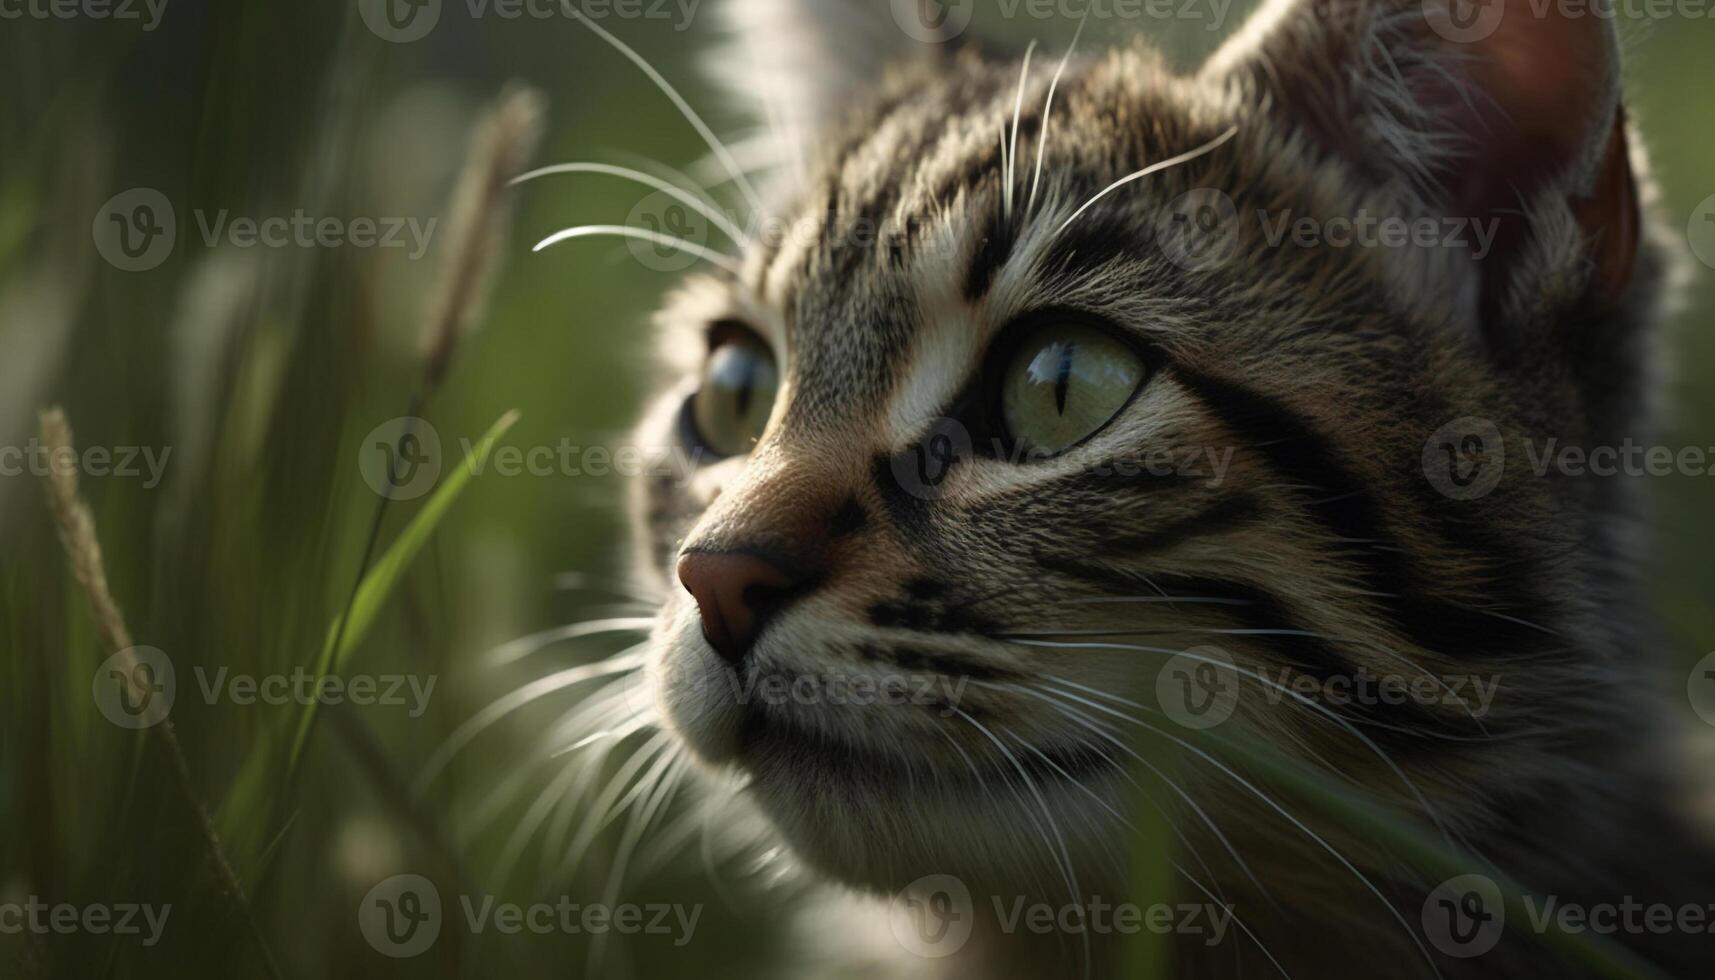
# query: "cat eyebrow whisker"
[[1048, 109], [1010, 157], [699, 204], [726, 262], [720, 150], [1153, 168]]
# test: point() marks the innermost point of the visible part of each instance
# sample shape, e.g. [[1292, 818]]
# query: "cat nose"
[[736, 592]]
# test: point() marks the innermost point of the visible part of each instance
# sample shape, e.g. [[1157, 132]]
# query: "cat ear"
[[799, 65], [1492, 110]]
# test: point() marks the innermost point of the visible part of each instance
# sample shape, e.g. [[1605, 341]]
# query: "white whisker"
[[1153, 168], [502, 706], [1048, 109], [1269, 801], [1096, 727], [679, 103], [1323, 711], [1011, 155], [701, 205], [524, 646], [1064, 857], [726, 262]]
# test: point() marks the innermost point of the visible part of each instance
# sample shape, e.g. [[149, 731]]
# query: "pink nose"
[[735, 592]]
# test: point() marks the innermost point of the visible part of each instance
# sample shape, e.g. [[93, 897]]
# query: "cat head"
[[1046, 376]]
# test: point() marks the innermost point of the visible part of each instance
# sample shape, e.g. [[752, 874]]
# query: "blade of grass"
[[347, 631]]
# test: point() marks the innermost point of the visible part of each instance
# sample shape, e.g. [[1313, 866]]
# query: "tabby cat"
[[1020, 417]]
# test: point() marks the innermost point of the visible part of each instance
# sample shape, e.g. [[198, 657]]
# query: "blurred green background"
[[264, 368]]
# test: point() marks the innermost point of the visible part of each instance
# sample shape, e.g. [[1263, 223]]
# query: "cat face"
[[995, 451]]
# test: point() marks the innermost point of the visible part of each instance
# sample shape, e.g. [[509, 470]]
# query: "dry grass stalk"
[[83, 548], [478, 215]]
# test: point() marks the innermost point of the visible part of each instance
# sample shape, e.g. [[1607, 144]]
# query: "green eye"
[[1063, 384], [731, 406]]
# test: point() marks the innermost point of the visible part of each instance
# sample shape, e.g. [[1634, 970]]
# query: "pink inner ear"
[[1550, 76], [1541, 86], [1609, 216]]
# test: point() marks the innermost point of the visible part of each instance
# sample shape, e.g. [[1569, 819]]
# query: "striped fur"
[[1323, 549]]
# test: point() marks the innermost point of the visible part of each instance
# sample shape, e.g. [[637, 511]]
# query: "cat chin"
[[884, 838], [876, 820]]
